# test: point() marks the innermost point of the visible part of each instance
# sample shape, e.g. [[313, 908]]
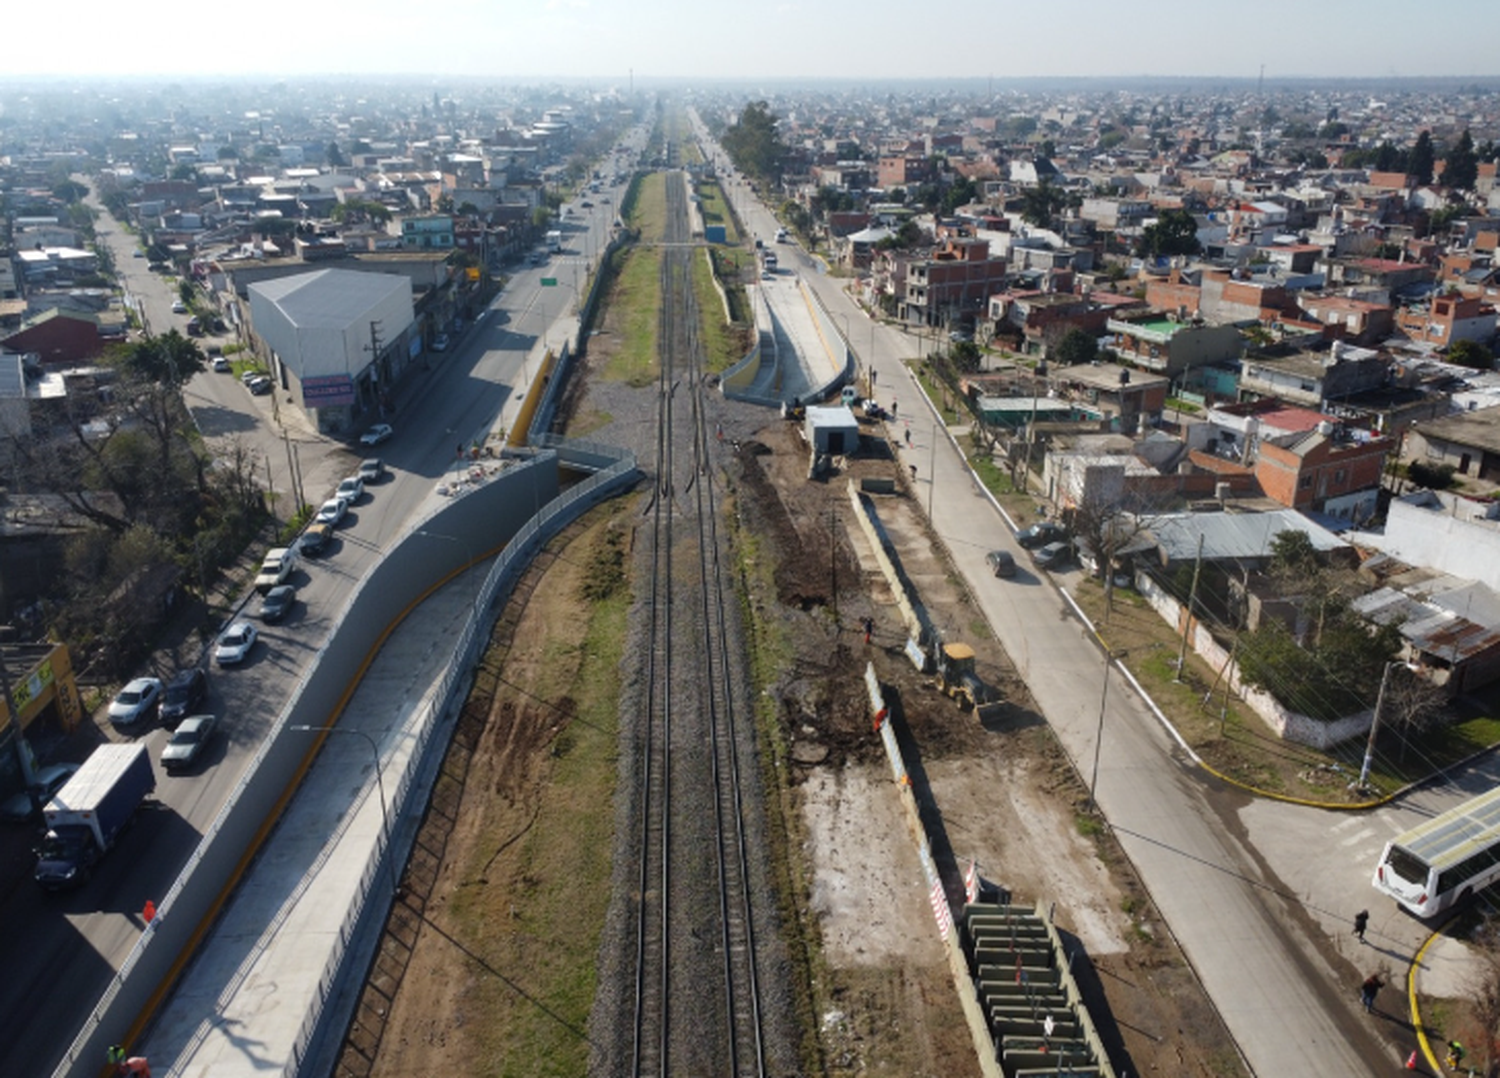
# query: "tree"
[[335, 156], [1471, 354], [1041, 203], [69, 191], [170, 359], [752, 142], [1461, 165], [1420, 161], [184, 171], [1174, 233], [1074, 347], [1334, 675], [960, 193], [1484, 997], [1412, 705], [1389, 159]]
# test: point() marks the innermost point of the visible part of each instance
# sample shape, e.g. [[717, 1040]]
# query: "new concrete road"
[[1257, 894], [66, 947]]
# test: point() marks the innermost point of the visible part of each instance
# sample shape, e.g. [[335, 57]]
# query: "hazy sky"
[[867, 39]]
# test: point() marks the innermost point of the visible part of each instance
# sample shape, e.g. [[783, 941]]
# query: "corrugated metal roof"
[[329, 298], [1233, 535]]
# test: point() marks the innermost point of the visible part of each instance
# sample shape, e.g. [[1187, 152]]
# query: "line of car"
[[178, 703], [1048, 543]]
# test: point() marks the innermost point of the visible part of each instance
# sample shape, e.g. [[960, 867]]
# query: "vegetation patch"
[[635, 301], [724, 343]]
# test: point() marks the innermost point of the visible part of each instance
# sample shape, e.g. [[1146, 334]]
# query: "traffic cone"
[[1411, 1060], [148, 914]]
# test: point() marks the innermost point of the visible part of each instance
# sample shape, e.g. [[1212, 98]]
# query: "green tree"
[[1420, 161], [752, 142], [960, 193], [70, 191], [170, 359], [1471, 354], [1074, 347], [335, 156], [228, 153], [1337, 674], [1461, 165], [184, 171], [1041, 203], [1174, 233]]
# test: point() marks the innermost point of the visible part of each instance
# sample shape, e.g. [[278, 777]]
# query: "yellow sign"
[[473, 272]]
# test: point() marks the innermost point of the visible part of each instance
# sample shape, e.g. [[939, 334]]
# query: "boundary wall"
[[829, 332], [502, 513]]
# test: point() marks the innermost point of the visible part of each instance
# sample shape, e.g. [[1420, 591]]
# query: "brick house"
[[1359, 321], [1324, 470], [957, 280], [1447, 319], [1041, 318], [1171, 347], [61, 338]]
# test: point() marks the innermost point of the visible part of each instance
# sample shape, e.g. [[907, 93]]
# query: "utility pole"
[[1187, 621], [374, 348], [1364, 768]]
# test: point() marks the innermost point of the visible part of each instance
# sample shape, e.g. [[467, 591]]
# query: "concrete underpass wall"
[[735, 383], [829, 332], [481, 521]]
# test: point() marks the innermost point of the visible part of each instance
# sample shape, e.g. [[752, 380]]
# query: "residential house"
[[1469, 441], [1171, 347], [1127, 397], [1331, 470], [1312, 378], [1037, 320], [954, 284], [1443, 531], [1358, 321], [60, 338], [1447, 319], [428, 233], [1450, 625]]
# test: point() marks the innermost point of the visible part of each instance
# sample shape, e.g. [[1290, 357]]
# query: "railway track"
[[697, 987]]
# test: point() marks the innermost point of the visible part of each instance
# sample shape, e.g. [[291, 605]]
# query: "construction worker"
[[1455, 1055]]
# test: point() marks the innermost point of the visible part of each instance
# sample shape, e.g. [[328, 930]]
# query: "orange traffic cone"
[[1411, 1060], [148, 914]]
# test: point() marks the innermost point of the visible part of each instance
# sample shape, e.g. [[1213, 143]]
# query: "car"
[[1052, 556], [440, 343], [50, 779], [316, 539], [1001, 563], [276, 567], [136, 701], [380, 432], [372, 469], [351, 489], [276, 603], [222, 365], [332, 511], [235, 643], [178, 307], [1040, 534], [251, 375], [186, 744], [586, 204], [137, 254], [260, 386], [184, 694]]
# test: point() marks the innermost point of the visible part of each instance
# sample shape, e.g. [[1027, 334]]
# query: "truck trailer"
[[86, 816]]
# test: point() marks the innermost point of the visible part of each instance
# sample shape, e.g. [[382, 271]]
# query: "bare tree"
[[1105, 519], [1412, 705]]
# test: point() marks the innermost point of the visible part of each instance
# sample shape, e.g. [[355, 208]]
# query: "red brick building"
[[61, 339], [1320, 471]]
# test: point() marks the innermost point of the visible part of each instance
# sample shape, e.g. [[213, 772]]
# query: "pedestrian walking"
[[894, 402], [1361, 920], [874, 374], [908, 437], [868, 625], [913, 473], [1367, 991]]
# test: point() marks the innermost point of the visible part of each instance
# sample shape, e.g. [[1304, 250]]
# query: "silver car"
[[136, 701]]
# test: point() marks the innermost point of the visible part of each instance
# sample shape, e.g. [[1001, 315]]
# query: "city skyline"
[[609, 41]]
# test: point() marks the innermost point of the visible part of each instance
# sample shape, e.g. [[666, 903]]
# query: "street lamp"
[[1109, 660], [385, 818], [1385, 676]]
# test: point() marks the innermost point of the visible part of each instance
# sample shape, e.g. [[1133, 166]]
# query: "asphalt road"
[[66, 947]]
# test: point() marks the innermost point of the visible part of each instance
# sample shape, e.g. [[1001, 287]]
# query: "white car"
[[351, 489], [137, 700], [332, 512], [376, 434], [235, 644], [178, 307], [222, 365], [49, 780], [440, 343]]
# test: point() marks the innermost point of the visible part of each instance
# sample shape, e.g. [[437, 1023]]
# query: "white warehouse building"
[[323, 331]]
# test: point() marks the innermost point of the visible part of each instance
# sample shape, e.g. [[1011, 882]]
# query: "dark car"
[[1001, 563], [1053, 556], [186, 745], [185, 692], [315, 540], [1040, 534], [277, 602]]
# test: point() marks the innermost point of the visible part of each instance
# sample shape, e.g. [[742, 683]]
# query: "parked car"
[[1053, 556], [49, 779], [222, 365], [184, 694], [440, 343], [260, 386], [372, 469], [332, 511], [316, 539], [235, 644], [380, 432], [186, 744], [276, 603], [178, 307], [1040, 534], [1001, 563], [351, 489], [136, 701], [277, 566]]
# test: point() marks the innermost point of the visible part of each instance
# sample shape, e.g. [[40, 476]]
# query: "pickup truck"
[[86, 816], [275, 569]]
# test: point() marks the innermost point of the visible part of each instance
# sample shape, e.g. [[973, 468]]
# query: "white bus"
[[1445, 859]]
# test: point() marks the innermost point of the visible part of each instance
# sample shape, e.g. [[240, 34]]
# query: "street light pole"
[[1109, 658], [1364, 768], [385, 818], [469, 551]]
